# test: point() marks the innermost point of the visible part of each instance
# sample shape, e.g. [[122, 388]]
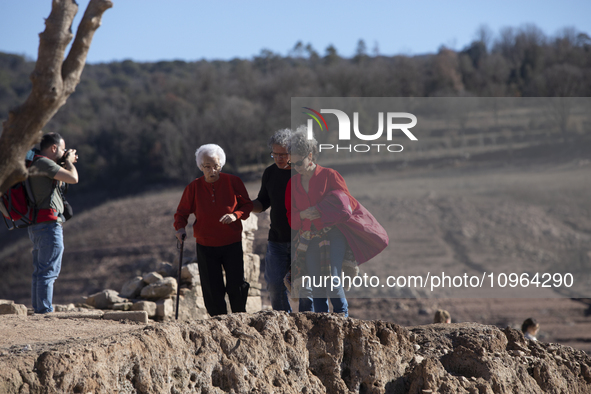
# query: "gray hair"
[[299, 144], [281, 138], [211, 150]]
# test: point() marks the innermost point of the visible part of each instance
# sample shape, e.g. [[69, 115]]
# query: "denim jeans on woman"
[[48, 248], [338, 244]]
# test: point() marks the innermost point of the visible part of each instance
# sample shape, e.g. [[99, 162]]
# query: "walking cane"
[[178, 290]]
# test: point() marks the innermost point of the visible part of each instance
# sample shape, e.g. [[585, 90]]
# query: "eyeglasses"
[[298, 163], [209, 168], [279, 155]]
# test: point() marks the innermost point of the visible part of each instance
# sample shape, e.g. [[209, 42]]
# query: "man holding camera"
[[47, 233]]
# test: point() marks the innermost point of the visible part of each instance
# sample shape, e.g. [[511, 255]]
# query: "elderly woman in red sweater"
[[219, 202]]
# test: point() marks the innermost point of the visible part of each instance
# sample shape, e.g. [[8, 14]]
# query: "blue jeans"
[[338, 244], [48, 248], [277, 264]]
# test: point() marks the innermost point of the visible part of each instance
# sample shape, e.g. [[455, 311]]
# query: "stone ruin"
[[155, 292]]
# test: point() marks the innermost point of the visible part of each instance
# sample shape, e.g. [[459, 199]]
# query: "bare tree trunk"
[[54, 80]]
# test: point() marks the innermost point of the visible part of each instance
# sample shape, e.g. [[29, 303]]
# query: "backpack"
[[18, 203]]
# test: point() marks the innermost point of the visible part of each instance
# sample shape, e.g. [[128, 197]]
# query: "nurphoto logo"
[[392, 127]]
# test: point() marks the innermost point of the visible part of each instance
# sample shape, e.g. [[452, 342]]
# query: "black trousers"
[[210, 260]]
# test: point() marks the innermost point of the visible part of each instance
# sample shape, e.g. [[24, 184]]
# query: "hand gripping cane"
[[178, 290]]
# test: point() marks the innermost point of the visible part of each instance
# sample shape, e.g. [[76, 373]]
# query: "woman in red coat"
[[324, 246], [219, 202]]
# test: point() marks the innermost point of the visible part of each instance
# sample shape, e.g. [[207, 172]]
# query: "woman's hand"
[[181, 234], [310, 213], [228, 218]]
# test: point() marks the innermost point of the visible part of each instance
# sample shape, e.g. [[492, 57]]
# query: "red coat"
[[323, 181], [328, 192], [209, 202]]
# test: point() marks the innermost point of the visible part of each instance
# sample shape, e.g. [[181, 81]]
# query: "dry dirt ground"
[[469, 216], [562, 321], [42, 332], [297, 353]]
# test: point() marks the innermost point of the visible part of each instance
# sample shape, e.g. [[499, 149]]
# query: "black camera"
[[62, 161]]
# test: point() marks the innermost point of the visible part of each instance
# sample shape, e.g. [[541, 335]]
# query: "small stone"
[[139, 316], [91, 314], [148, 306], [122, 306], [64, 308]]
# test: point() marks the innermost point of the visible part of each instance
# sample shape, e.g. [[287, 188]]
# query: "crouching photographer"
[[51, 169]]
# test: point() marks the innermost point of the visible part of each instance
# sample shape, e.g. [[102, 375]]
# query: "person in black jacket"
[[272, 194]]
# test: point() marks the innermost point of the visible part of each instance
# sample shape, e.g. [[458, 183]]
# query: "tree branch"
[[54, 80], [74, 64]]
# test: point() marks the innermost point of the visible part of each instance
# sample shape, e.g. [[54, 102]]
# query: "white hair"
[[211, 150]]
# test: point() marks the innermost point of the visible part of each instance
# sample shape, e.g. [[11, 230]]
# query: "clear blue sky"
[[153, 30]]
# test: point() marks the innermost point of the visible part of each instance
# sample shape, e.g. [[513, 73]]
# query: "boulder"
[[148, 306], [254, 304], [249, 226], [252, 271], [196, 290], [191, 305], [165, 309], [132, 288], [166, 269], [13, 309], [162, 289], [152, 277], [190, 273], [104, 299]]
